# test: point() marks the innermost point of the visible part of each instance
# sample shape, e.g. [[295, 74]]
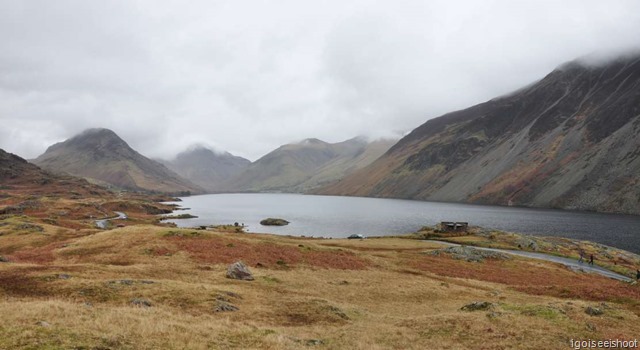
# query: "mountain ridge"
[[567, 141], [303, 166], [206, 167]]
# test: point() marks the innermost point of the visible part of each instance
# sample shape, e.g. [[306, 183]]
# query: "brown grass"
[[219, 250], [325, 294], [532, 278]]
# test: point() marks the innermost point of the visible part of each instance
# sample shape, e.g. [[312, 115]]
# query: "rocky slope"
[[100, 156], [19, 176], [307, 165], [206, 168], [568, 141]]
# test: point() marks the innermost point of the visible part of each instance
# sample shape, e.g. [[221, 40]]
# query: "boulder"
[[223, 306], [477, 306], [274, 222], [239, 271], [593, 311]]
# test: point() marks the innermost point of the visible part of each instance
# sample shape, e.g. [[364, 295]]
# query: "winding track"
[[571, 263], [103, 222]]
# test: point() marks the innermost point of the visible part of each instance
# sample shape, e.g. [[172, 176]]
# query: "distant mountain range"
[[570, 141], [207, 168], [102, 157], [307, 165]]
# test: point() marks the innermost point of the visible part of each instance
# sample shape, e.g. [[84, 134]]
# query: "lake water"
[[339, 217]]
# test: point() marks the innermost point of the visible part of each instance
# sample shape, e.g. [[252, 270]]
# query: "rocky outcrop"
[[469, 254]]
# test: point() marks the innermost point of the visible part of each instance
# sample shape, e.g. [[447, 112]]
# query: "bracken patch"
[[532, 279], [226, 251]]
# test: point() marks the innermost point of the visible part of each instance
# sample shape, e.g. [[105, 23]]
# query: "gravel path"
[[571, 263], [103, 222]]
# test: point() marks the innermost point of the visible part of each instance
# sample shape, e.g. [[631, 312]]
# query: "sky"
[[249, 76]]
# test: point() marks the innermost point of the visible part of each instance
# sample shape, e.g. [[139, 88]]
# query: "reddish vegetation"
[[37, 255], [218, 250], [20, 283], [538, 280]]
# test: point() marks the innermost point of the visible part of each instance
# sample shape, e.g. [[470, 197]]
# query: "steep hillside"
[[206, 168], [19, 176], [102, 157], [307, 165], [568, 141]]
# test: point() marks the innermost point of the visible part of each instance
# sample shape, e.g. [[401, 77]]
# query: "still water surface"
[[339, 217]]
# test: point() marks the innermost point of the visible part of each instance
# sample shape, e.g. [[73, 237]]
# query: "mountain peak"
[[311, 141], [100, 154]]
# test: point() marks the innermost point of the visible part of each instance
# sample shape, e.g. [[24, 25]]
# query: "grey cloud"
[[248, 77]]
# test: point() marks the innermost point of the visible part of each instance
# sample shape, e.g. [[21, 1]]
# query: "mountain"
[[206, 168], [100, 156], [19, 176], [567, 141], [307, 165]]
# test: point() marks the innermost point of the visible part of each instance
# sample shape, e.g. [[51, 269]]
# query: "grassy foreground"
[[145, 286]]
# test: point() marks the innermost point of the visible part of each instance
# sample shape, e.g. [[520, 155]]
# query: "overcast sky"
[[248, 76]]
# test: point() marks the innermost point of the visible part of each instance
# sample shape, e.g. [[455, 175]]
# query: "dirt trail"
[[571, 263]]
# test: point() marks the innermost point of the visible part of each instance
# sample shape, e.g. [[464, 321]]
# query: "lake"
[[339, 217]]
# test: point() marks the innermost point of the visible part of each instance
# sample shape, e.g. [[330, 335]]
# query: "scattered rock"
[[494, 314], [44, 324], [591, 327], [477, 306], [128, 282], [470, 254], [527, 243], [314, 342], [593, 311], [232, 295], [223, 306], [142, 302], [30, 227], [239, 271], [64, 276], [274, 222], [336, 311]]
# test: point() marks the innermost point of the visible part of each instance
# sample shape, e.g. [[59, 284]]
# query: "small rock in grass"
[[239, 271], [223, 306], [593, 311], [44, 324], [314, 342], [142, 302], [477, 306], [64, 276], [3, 259]]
